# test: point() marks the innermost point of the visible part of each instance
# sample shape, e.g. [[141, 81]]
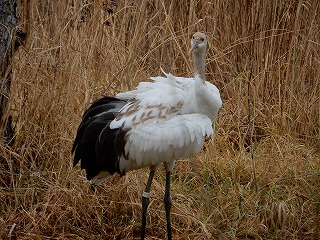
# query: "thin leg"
[[145, 203], [167, 204]]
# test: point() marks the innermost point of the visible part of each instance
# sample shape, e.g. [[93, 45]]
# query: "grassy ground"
[[264, 57]]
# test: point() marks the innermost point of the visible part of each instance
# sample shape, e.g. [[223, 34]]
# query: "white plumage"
[[167, 131], [165, 140], [158, 122]]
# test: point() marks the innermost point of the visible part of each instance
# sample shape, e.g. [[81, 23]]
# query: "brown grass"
[[77, 51]]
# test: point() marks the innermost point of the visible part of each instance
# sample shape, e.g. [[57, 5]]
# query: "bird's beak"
[[193, 46]]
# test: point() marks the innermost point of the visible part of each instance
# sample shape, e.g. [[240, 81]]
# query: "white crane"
[[158, 122]]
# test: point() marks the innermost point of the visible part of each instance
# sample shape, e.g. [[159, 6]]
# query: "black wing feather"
[[96, 145], [104, 104]]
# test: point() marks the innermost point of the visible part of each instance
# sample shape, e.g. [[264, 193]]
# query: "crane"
[[158, 122]]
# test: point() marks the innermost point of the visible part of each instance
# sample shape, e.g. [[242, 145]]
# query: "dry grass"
[[78, 51]]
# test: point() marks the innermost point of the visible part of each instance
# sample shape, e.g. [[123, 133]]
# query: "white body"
[[165, 132], [168, 118]]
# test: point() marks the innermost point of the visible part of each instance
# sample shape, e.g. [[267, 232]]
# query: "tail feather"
[[94, 143]]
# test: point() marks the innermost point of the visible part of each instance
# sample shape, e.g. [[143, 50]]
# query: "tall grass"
[[79, 50]]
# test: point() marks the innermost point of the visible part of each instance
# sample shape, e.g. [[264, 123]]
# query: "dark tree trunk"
[[10, 39]]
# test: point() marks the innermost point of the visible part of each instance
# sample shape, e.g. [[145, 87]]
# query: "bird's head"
[[198, 42]]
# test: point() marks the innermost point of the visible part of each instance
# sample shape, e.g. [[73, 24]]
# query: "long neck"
[[199, 59]]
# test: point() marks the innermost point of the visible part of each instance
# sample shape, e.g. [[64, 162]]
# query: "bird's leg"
[[167, 204], [145, 202]]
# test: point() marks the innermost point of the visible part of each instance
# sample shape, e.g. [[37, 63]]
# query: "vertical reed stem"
[[251, 121]]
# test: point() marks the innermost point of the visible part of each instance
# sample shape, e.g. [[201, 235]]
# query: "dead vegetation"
[[79, 50]]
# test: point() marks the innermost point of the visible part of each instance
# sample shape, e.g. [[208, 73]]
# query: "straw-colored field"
[[79, 50]]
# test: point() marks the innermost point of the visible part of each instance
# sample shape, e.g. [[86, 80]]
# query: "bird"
[[157, 123]]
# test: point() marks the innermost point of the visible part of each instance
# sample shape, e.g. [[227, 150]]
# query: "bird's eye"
[[201, 39], [192, 37]]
